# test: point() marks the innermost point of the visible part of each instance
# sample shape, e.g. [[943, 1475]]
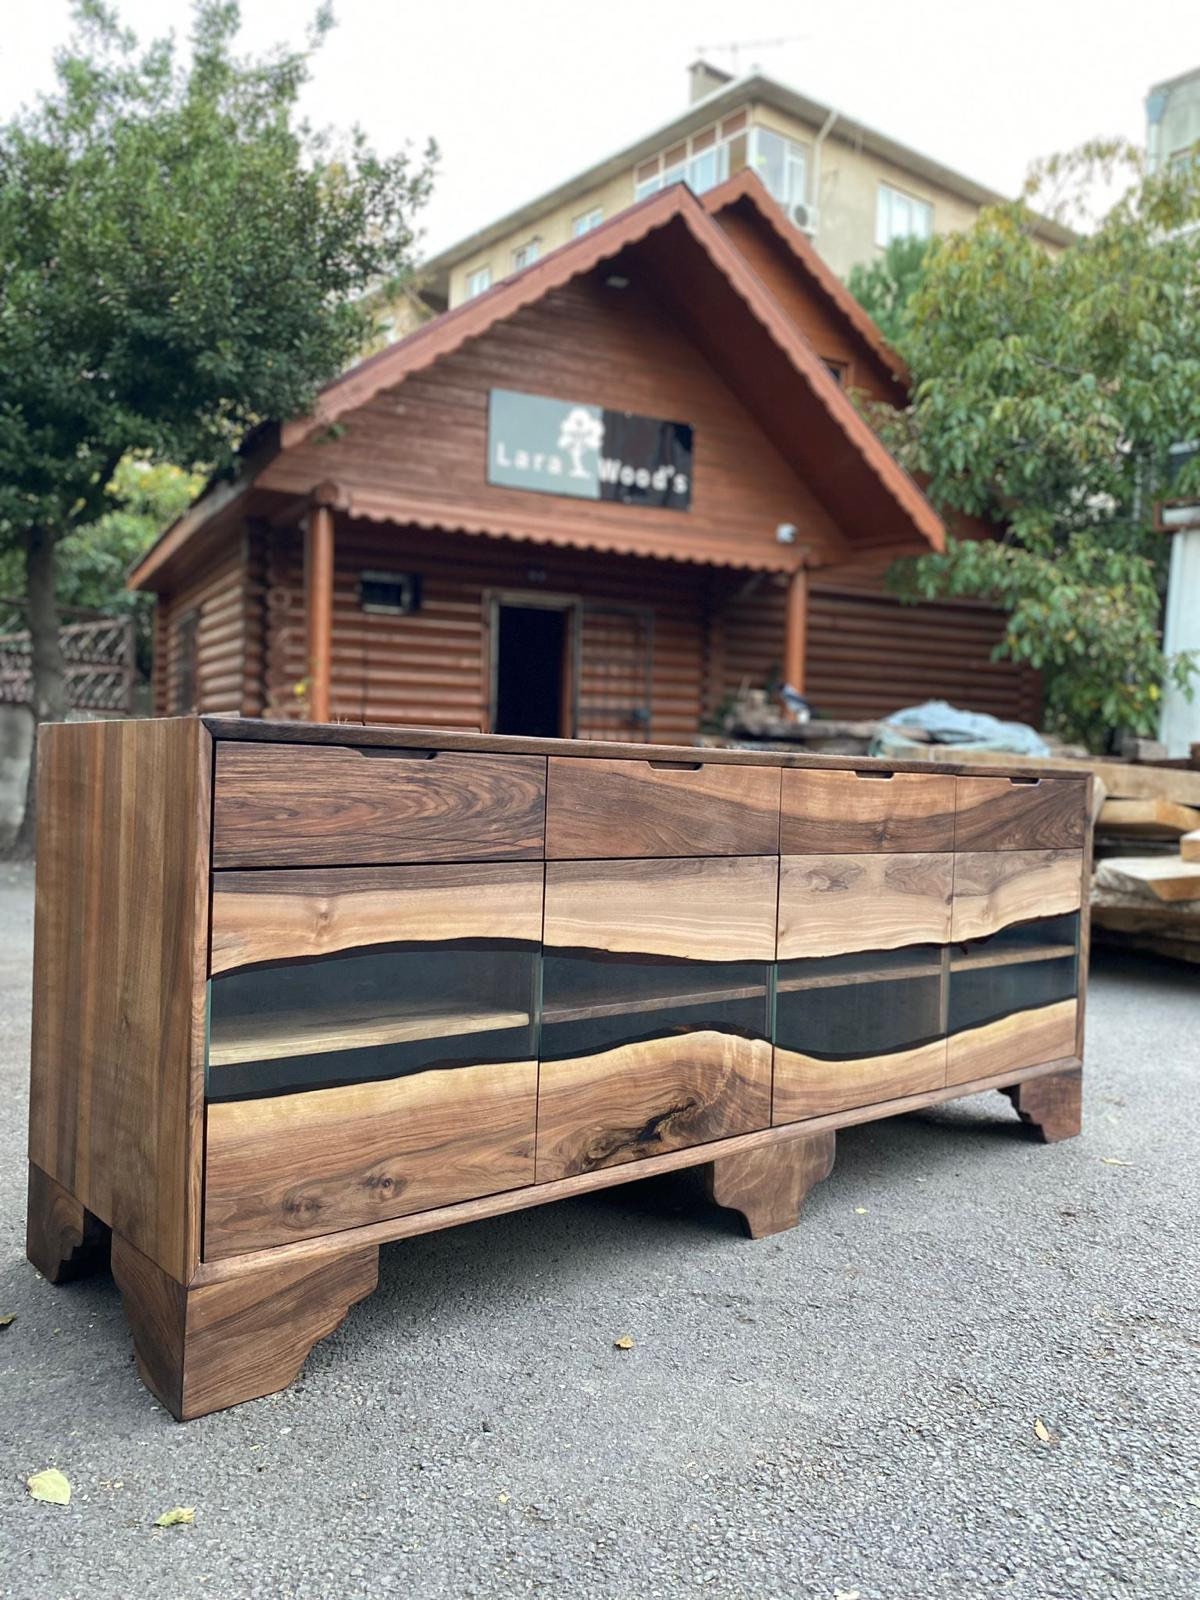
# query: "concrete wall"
[[16, 742]]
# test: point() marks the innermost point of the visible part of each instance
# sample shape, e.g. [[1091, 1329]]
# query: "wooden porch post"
[[795, 646], [318, 575]]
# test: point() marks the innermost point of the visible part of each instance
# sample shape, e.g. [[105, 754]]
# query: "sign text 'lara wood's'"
[[568, 447]]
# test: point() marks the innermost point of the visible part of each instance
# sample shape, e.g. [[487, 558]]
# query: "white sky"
[[522, 94]]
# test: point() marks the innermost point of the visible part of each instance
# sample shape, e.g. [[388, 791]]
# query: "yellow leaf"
[[176, 1515], [8, 1318], [1042, 1431], [503, 1497], [1115, 1161], [860, 1211], [50, 1486], [623, 1343]]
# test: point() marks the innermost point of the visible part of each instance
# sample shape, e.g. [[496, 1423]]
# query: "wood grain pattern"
[[808, 1086], [1024, 1039], [292, 915], [826, 813], [331, 805], [833, 905], [769, 1186], [203, 1348], [1052, 1106], [62, 1239], [610, 809], [315, 1162], [1008, 814], [640, 1100], [714, 909], [264, 1036], [993, 890], [120, 941]]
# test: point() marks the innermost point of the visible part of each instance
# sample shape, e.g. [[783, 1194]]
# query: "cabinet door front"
[[371, 1045], [655, 1008], [859, 1014]]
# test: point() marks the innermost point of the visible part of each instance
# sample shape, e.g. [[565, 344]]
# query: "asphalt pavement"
[[972, 1371]]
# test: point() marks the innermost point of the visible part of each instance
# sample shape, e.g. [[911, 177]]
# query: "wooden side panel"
[[1021, 814], [292, 1166], [824, 812], [119, 971], [1024, 1039], [992, 890], [830, 905], [607, 809], [810, 1086], [313, 804]]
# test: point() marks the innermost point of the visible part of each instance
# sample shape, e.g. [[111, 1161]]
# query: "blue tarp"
[[965, 730]]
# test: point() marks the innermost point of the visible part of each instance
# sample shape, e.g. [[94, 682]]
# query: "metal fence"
[[99, 660]]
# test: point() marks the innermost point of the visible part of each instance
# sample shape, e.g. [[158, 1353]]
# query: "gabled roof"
[[729, 313]]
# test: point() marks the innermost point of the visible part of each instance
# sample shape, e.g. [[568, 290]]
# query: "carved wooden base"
[[1052, 1105], [62, 1239], [769, 1185], [214, 1345]]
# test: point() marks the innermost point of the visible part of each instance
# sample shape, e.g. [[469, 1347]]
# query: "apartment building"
[[1173, 122], [848, 187]]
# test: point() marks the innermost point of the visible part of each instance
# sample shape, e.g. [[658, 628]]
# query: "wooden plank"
[[120, 948], [1165, 877], [264, 1036], [841, 812], [608, 809], [291, 915], [1023, 1039], [1012, 956], [1019, 814], [808, 1086], [994, 889], [832, 905], [292, 1166], [1122, 778], [1148, 819], [332, 1245], [323, 805], [640, 1100], [716, 909], [1189, 846]]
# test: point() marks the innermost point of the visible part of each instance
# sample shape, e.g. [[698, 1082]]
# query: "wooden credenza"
[[302, 990]]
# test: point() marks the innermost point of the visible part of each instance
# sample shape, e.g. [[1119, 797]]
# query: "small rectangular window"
[[183, 689], [395, 594], [478, 281], [835, 369], [900, 216], [526, 254], [587, 221]]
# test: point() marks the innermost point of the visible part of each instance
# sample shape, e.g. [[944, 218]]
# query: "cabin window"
[[782, 165], [587, 221], [900, 216], [836, 370], [183, 688], [478, 281], [393, 594], [526, 254]]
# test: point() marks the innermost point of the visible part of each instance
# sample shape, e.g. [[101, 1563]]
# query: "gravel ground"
[[846, 1410]]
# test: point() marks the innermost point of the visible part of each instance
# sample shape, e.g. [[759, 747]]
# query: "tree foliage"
[[885, 286], [1048, 391]]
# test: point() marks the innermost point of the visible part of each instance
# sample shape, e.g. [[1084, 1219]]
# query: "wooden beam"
[[795, 648], [318, 584]]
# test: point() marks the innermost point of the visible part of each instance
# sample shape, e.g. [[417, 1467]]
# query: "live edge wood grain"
[[844, 812], [833, 905], [612, 809], [120, 944], [1052, 1106], [292, 1166], [1022, 1039], [808, 1086], [204, 1348], [993, 890], [289, 915], [62, 1239], [643, 1099], [331, 805], [769, 1186], [1012, 814]]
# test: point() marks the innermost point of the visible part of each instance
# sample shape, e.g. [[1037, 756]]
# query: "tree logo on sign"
[[580, 431]]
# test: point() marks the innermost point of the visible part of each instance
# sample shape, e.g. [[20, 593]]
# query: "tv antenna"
[[735, 46]]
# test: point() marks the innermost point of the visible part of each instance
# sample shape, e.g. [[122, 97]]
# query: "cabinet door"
[[865, 810], [371, 1045], [859, 1012], [1025, 813], [1014, 962], [655, 1008]]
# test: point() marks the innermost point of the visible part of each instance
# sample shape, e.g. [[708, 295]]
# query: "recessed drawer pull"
[[675, 766], [1030, 783], [385, 752], [858, 773]]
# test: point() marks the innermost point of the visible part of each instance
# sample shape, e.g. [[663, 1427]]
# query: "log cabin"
[[593, 502]]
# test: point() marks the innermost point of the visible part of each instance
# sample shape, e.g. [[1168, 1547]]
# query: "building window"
[[390, 593], [901, 216], [783, 167], [835, 369], [701, 162], [587, 221], [478, 281], [526, 254], [183, 687]]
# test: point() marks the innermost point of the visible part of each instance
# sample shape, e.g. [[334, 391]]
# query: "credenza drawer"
[[312, 805], [602, 808], [865, 812], [835, 904], [1020, 814]]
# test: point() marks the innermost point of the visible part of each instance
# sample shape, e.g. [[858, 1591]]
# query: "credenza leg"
[[62, 1238], [769, 1185], [213, 1345], [1053, 1104]]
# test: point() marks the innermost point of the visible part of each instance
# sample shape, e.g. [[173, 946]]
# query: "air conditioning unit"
[[804, 216]]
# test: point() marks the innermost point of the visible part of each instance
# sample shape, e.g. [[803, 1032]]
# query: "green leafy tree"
[[1048, 391], [181, 257], [885, 287]]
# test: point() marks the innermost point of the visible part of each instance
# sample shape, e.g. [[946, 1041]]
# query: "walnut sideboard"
[[300, 990]]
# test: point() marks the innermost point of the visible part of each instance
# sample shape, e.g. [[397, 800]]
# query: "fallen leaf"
[[1115, 1161], [7, 1319], [176, 1515], [845, 1594], [623, 1343], [860, 1211], [50, 1486], [1042, 1431], [503, 1497]]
